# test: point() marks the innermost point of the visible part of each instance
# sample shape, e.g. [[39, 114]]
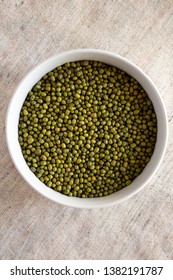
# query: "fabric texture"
[[33, 227]]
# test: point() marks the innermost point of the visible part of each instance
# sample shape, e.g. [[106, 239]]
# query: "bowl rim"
[[87, 202]]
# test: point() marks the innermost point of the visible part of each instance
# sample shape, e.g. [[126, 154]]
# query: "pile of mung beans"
[[87, 129]]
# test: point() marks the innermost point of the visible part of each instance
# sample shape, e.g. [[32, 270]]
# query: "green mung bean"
[[87, 129]]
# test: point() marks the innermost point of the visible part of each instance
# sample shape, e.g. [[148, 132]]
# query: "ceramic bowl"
[[34, 76]]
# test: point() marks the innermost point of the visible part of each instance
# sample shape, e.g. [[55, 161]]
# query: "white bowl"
[[34, 76]]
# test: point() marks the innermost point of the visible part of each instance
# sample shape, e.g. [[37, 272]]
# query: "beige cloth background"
[[33, 227]]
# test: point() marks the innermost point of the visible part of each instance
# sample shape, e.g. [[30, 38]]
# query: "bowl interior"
[[34, 76]]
